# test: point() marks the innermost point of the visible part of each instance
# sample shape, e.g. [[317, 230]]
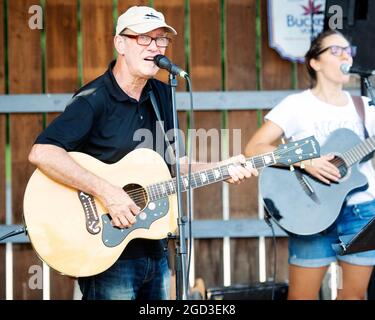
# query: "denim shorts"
[[317, 251]]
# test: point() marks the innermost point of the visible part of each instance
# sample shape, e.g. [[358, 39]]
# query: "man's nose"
[[153, 45]]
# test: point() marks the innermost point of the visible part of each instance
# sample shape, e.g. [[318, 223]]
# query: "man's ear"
[[119, 43]]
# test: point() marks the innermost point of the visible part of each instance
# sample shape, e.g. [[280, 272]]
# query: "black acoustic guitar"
[[303, 205]]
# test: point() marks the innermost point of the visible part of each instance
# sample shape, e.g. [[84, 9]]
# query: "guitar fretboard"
[[204, 177], [360, 151]]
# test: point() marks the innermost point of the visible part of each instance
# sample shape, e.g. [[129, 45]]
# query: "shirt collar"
[[116, 91]]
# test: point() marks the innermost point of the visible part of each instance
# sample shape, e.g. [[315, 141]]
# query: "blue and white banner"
[[292, 24]]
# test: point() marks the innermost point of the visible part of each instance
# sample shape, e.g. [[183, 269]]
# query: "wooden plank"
[[205, 70], [61, 77], [202, 229], [124, 5], [240, 64], [276, 75], [235, 228], [276, 72], [61, 45], [208, 200], [2, 152], [203, 101], [241, 75], [174, 13], [97, 41], [205, 59], [24, 77], [243, 200]]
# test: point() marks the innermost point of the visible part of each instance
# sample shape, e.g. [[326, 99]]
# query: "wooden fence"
[[224, 47]]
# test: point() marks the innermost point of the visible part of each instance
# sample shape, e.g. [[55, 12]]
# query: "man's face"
[[138, 57]]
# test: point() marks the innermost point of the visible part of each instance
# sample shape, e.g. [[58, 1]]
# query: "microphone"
[[347, 68], [164, 63]]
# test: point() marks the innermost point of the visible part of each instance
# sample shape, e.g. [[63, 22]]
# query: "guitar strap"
[[171, 154], [360, 107]]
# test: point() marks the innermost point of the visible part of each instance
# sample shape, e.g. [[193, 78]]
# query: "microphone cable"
[[267, 219], [15, 232], [189, 192]]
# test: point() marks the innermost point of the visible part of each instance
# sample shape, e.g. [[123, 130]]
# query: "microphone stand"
[[367, 89], [181, 285]]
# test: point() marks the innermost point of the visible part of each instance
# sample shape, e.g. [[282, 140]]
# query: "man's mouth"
[[149, 59]]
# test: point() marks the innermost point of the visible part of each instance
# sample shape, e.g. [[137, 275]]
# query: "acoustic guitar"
[[303, 205], [71, 230]]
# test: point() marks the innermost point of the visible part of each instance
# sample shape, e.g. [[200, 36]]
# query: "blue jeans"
[[129, 279], [317, 251]]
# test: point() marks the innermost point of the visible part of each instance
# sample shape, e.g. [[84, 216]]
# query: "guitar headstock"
[[297, 151]]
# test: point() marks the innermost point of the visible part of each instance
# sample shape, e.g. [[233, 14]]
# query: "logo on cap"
[[151, 16]]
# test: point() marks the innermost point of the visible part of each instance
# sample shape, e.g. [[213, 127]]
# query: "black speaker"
[[256, 291], [358, 26]]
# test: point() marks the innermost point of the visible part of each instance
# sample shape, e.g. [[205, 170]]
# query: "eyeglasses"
[[145, 40], [338, 50]]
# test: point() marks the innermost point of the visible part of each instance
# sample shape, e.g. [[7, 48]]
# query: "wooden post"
[[25, 76], [61, 77]]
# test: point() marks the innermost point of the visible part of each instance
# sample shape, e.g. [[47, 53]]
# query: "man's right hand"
[[121, 207]]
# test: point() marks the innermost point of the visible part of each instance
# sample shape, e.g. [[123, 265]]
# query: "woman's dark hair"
[[315, 50]]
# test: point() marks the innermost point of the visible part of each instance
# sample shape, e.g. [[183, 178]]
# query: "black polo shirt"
[[101, 120]]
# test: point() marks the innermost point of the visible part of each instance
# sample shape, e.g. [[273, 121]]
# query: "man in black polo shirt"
[[102, 120]]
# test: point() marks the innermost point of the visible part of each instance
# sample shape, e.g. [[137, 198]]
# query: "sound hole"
[[138, 194], [340, 164]]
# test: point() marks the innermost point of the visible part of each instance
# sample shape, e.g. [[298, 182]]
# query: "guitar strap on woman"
[[172, 157], [360, 107]]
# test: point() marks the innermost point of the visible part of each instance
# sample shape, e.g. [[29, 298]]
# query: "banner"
[[292, 24]]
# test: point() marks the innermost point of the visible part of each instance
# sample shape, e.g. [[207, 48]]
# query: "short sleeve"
[[284, 115], [70, 130]]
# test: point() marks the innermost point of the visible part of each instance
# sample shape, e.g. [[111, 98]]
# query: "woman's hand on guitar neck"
[[322, 169], [121, 207]]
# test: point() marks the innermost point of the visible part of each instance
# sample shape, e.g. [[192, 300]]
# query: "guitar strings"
[[140, 194]]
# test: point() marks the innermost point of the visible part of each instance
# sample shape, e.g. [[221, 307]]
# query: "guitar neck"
[[205, 177], [360, 151]]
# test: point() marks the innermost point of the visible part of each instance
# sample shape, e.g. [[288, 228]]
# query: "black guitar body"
[[301, 204]]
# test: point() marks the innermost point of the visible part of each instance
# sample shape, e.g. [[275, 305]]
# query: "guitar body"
[[71, 231], [288, 198]]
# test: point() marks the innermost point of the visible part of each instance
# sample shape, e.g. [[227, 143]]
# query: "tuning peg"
[[291, 168]]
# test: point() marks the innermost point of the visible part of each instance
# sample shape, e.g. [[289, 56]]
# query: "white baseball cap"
[[141, 19]]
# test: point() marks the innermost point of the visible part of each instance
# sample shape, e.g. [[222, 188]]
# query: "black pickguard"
[[113, 236]]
